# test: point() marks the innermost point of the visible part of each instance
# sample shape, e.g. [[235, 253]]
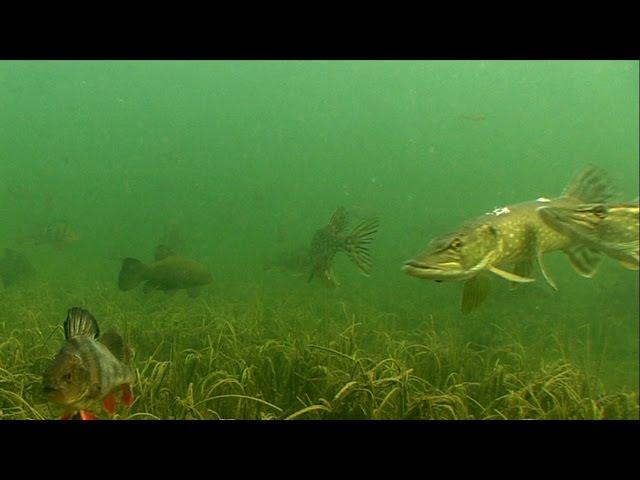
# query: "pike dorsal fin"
[[584, 260], [591, 185], [512, 277], [474, 292], [80, 322]]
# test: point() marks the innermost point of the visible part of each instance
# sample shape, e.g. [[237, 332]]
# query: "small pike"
[[511, 235]]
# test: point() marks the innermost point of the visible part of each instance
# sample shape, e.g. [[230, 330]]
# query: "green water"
[[250, 158]]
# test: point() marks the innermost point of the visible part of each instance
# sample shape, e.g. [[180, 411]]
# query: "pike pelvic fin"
[[584, 260], [512, 277], [546, 276]]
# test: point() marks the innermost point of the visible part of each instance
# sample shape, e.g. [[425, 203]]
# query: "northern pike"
[[511, 235]]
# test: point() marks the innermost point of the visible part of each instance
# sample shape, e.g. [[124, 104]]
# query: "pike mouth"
[[422, 270], [438, 272], [413, 264]]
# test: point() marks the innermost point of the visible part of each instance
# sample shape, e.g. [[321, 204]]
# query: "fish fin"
[[338, 220], [328, 277], [162, 252], [148, 287], [80, 322], [630, 265], [584, 260], [311, 275], [512, 277], [131, 274], [193, 292], [579, 223], [113, 341], [546, 276], [591, 185], [474, 292], [357, 244], [522, 269], [109, 403], [66, 415], [127, 395], [128, 353], [87, 415], [630, 255]]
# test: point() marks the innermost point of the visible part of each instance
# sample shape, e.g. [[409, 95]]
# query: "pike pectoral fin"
[[474, 292], [512, 277], [546, 276], [109, 403], [522, 269], [584, 260]]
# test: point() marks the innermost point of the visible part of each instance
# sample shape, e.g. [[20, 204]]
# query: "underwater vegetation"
[[291, 358]]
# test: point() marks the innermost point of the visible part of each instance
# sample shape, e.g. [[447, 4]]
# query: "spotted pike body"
[[512, 235]]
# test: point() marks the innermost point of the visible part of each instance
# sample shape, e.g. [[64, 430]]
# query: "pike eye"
[[456, 243]]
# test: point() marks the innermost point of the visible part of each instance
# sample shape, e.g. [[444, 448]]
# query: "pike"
[[511, 235], [87, 371], [611, 229]]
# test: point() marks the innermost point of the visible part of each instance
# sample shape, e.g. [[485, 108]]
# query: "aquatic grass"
[[313, 358]]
